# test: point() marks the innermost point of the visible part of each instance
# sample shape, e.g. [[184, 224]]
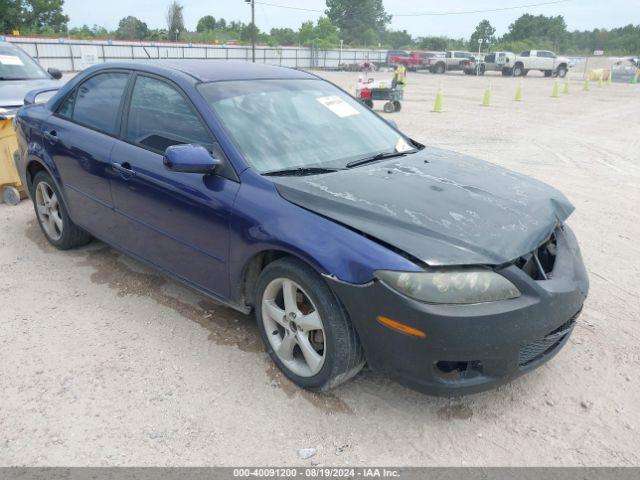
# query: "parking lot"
[[103, 362]]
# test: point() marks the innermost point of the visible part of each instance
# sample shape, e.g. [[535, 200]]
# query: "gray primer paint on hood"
[[453, 210], [12, 92]]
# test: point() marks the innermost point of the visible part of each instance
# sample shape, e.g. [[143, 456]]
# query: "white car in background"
[[19, 74]]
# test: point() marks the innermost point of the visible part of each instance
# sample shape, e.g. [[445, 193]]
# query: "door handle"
[[51, 135], [124, 169]]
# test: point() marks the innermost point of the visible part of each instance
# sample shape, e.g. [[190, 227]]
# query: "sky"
[[579, 14]]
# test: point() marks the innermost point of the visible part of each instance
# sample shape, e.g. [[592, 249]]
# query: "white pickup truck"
[[519, 65], [547, 62]]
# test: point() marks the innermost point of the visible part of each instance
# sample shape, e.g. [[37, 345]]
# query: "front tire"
[[305, 329], [53, 216], [518, 71], [562, 72]]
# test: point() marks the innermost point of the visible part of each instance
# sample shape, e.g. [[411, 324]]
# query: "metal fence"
[[74, 55]]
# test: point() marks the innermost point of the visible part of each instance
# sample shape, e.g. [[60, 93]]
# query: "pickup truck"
[[500, 62], [547, 62], [452, 60], [415, 60]]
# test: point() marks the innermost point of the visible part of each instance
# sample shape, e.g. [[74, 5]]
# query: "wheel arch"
[[32, 169], [256, 264]]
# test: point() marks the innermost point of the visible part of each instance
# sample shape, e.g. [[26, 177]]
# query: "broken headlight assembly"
[[458, 286]]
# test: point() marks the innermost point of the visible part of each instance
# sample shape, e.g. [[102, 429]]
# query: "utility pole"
[[253, 29]]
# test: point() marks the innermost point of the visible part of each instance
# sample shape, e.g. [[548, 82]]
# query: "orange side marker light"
[[401, 327]]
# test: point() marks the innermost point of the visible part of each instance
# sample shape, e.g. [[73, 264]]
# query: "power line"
[[430, 14], [290, 8], [499, 9]]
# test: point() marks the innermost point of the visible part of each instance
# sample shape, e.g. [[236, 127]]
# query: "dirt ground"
[[103, 362]]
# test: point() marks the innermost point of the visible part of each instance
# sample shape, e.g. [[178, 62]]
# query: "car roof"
[[212, 70]]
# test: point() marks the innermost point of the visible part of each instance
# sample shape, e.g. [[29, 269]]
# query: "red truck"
[[415, 60]]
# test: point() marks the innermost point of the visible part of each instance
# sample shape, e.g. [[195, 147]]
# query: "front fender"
[[264, 221]]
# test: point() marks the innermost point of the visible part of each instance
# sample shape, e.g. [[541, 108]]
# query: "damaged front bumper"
[[471, 348]]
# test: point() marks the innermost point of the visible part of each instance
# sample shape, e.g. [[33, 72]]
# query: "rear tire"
[[389, 107], [304, 327], [548, 73], [53, 216], [439, 69], [397, 105], [368, 103], [518, 71]]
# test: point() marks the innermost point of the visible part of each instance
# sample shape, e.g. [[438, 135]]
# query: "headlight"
[[452, 286]]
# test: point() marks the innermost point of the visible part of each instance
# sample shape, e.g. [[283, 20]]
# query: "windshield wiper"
[[300, 171], [379, 156]]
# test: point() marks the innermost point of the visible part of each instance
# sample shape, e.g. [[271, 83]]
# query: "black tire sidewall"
[[334, 318], [66, 240]]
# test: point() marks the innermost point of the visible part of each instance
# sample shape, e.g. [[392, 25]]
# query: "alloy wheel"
[[48, 208], [294, 327]]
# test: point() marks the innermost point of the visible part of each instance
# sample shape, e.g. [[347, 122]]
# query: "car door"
[[79, 138], [545, 60], [177, 221]]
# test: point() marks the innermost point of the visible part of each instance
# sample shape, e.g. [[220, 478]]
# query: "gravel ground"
[[103, 362]]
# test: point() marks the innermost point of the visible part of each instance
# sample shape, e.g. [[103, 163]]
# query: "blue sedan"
[[274, 191]]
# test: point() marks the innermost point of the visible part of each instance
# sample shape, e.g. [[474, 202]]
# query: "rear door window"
[[96, 102]]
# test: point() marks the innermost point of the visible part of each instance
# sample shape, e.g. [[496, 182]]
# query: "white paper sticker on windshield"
[[338, 106], [10, 60]]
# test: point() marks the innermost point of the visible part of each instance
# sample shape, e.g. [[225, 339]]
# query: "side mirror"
[[190, 159], [39, 95], [55, 73]]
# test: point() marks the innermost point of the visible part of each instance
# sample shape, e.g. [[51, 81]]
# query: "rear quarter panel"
[[28, 124]]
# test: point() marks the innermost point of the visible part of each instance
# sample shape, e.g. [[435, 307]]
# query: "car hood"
[[12, 92], [440, 207]]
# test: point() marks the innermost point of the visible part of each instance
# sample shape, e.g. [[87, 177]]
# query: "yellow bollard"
[[634, 80], [519, 92], [556, 89], [586, 87], [486, 100], [566, 88], [438, 107], [610, 82], [600, 82]]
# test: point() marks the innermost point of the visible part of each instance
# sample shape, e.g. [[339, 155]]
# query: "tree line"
[[354, 23]]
